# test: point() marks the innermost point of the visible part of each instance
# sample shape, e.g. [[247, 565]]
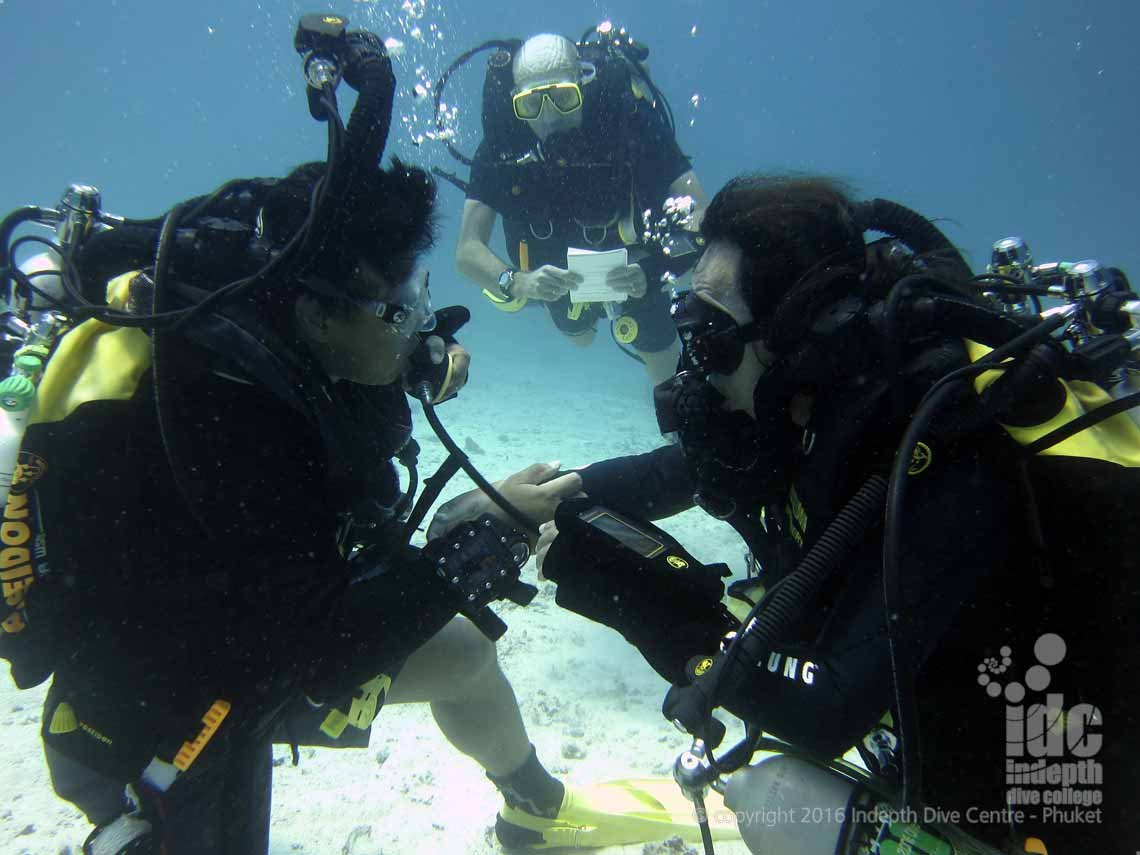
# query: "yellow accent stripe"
[[334, 724], [364, 708], [63, 720], [211, 721], [504, 305], [446, 379], [93, 362], [1115, 440]]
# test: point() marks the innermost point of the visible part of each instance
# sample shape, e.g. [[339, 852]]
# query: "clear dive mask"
[[406, 313]]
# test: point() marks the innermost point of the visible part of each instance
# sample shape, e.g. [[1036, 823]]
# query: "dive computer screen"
[[623, 531]]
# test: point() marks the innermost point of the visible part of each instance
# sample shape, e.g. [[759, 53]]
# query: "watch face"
[[505, 278]]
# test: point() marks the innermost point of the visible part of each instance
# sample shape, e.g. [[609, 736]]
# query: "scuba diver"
[[579, 152], [206, 539], [938, 486]]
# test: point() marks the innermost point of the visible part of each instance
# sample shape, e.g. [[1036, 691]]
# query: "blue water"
[[999, 118], [996, 118]]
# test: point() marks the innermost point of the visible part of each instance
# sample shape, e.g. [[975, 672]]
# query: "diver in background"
[[571, 158], [788, 403]]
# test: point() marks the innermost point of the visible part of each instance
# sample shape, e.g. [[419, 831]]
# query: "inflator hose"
[[913, 229], [782, 607], [371, 118], [770, 619]]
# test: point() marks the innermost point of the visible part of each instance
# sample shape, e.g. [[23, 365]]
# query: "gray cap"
[[546, 58]]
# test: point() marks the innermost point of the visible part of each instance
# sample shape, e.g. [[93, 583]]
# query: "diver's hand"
[[536, 491], [546, 534], [548, 283], [363, 52], [630, 279]]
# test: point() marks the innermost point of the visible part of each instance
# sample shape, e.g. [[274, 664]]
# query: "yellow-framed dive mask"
[[566, 98]]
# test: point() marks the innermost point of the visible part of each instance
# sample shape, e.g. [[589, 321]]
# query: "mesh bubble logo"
[[1049, 650], [1043, 727]]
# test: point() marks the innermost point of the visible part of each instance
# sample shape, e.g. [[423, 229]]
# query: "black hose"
[[68, 274], [433, 486], [162, 257], [903, 673], [913, 229], [703, 822], [8, 227], [24, 280], [1010, 284], [158, 375], [424, 394], [1106, 411], [894, 341], [1027, 339], [437, 99], [301, 241], [370, 123], [206, 202], [769, 619], [781, 610]]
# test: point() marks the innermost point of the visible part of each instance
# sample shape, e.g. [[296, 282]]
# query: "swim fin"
[[638, 810]]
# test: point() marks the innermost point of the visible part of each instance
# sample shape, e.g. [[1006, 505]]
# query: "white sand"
[[580, 685]]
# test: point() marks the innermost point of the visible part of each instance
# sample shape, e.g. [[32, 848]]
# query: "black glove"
[[480, 561], [667, 605], [363, 54], [396, 602]]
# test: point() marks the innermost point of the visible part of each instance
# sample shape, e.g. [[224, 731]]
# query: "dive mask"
[[564, 97], [405, 313], [711, 341]]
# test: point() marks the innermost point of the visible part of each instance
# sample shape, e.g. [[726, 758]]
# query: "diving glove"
[[631, 576], [481, 561]]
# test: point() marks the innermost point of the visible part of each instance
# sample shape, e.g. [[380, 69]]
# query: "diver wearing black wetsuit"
[[972, 588], [204, 558], [213, 550], [586, 186], [979, 585]]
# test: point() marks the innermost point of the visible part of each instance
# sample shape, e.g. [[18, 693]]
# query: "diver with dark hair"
[[579, 153], [208, 544], [938, 495], [213, 538]]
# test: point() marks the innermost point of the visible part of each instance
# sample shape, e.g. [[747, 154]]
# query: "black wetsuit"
[[973, 584], [159, 611], [576, 189]]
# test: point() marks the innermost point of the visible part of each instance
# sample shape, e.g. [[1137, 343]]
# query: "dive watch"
[[507, 283]]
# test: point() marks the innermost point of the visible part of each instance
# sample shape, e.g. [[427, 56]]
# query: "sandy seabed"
[[591, 704]]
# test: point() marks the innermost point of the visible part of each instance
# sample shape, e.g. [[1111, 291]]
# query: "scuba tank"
[[18, 393], [786, 804], [33, 325]]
